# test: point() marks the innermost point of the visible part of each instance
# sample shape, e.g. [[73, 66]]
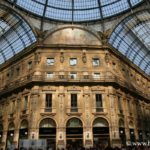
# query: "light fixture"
[[132, 132], [11, 134], [26, 133], [121, 131]]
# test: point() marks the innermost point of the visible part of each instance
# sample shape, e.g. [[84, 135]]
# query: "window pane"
[[73, 61], [50, 61], [74, 103], [96, 62], [25, 102], [99, 103], [50, 75], [48, 102], [73, 75], [96, 75]]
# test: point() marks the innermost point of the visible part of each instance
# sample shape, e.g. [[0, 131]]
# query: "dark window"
[[48, 102], [120, 104], [96, 62], [29, 65], [74, 103], [99, 103], [25, 102], [50, 61], [73, 75], [17, 71]]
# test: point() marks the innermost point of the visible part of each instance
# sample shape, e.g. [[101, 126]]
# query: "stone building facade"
[[73, 89]]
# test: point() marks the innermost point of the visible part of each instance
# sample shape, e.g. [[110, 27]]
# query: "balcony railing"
[[74, 110], [104, 77], [48, 110], [99, 110]]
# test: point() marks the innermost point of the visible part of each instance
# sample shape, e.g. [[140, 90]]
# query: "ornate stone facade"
[[112, 96]]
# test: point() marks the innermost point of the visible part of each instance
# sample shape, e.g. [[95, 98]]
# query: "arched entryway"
[[100, 133], [1, 132], [122, 132], [23, 132], [74, 133], [10, 135], [131, 131], [47, 130]]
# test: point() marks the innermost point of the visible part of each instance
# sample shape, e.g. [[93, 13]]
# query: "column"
[[61, 134], [88, 135], [16, 138], [4, 137], [34, 130], [114, 128]]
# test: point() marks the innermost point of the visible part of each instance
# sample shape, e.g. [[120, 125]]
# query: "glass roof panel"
[[15, 34], [135, 2], [132, 38], [54, 13], [84, 15], [32, 5], [76, 10], [1, 58], [115, 8]]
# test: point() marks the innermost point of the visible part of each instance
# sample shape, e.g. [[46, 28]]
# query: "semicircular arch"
[[72, 35], [100, 122], [47, 123], [74, 122]]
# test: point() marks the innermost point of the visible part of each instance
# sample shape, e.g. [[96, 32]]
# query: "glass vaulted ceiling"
[[76, 10], [15, 34], [132, 38]]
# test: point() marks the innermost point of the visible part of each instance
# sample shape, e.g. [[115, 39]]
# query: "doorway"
[[100, 133], [47, 130], [74, 134]]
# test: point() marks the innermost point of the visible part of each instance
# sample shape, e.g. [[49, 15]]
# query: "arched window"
[[23, 133], [47, 131], [11, 126], [121, 123], [47, 123], [24, 124], [74, 122], [100, 122]]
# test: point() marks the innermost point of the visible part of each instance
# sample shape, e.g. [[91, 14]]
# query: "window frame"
[[94, 64], [50, 61], [71, 61]]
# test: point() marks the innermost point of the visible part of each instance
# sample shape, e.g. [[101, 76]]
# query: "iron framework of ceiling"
[[76, 10], [132, 38], [15, 34]]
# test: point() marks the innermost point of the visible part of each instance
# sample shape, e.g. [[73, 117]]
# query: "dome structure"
[[76, 10]]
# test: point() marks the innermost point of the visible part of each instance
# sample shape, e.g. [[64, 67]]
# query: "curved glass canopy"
[[132, 38], [76, 10], [15, 34]]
